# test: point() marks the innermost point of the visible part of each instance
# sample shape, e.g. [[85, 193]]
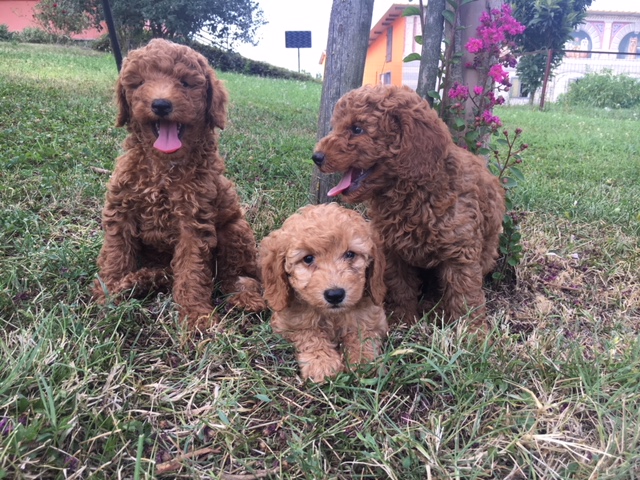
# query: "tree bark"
[[470, 18], [432, 29], [347, 45]]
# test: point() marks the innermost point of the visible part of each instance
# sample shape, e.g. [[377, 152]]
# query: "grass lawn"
[[122, 391]]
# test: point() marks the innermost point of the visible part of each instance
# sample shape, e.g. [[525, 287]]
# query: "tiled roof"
[[387, 20]]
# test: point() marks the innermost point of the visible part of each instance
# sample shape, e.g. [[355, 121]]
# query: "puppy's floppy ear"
[[124, 111], [375, 286], [217, 100], [277, 290], [423, 137]]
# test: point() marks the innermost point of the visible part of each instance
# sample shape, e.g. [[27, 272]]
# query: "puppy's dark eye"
[[185, 84], [349, 255], [356, 130], [308, 259]]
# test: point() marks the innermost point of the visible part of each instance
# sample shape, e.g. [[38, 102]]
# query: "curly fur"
[[321, 254], [436, 206], [172, 219]]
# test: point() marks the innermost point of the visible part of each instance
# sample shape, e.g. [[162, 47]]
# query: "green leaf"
[[471, 137], [434, 94], [449, 16], [411, 57], [508, 182], [517, 173], [410, 11], [508, 203], [263, 398], [460, 124], [369, 381], [513, 261], [418, 39], [484, 151], [223, 417]]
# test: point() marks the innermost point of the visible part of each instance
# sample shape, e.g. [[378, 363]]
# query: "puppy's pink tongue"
[[345, 183], [168, 141]]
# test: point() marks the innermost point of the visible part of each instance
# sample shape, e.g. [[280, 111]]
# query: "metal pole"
[[298, 60], [115, 46]]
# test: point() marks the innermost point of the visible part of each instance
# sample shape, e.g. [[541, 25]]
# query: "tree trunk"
[[347, 45], [432, 29], [470, 18]]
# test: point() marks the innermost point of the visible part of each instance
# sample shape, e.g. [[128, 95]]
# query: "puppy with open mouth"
[[437, 207], [171, 217]]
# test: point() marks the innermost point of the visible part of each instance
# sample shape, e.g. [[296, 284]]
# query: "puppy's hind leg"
[[463, 294], [403, 290], [236, 266]]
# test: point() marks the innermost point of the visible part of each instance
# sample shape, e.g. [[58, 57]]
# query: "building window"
[[389, 43], [385, 78]]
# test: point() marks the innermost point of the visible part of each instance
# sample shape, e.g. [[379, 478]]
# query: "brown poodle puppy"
[[171, 217], [437, 207], [323, 277]]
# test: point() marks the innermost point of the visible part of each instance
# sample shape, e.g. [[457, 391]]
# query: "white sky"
[[313, 15]]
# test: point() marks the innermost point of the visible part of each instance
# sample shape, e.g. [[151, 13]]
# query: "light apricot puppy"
[[323, 277]]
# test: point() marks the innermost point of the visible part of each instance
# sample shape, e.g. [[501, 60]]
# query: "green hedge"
[[222, 60], [228, 61], [5, 34], [603, 89]]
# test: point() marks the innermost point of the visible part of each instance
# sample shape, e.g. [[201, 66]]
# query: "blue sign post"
[[297, 39]]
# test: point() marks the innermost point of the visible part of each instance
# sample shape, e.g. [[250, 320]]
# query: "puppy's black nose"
[[334, 295], [318, 158], [161, 107]]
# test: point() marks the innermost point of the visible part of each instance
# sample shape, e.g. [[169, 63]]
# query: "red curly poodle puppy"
[[323, 277], [436, 206], [171, 217]]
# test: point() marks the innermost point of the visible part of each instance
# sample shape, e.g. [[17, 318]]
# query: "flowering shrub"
[[504, 167], [492, 49], [493, 52], [62, 17]]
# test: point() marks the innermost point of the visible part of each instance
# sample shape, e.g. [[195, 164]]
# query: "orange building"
[[390, 41], [18, 15]]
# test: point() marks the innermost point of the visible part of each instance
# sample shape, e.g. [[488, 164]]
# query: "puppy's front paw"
[[317, 366], [248, 295], [198, 320]]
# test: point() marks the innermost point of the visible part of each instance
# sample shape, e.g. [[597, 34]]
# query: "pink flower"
[[478, 90], [459, 92], [474, 45], [490, 119], [499, 75]]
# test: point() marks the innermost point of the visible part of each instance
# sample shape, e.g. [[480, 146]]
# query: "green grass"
[[582, 164], [123, 391]]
